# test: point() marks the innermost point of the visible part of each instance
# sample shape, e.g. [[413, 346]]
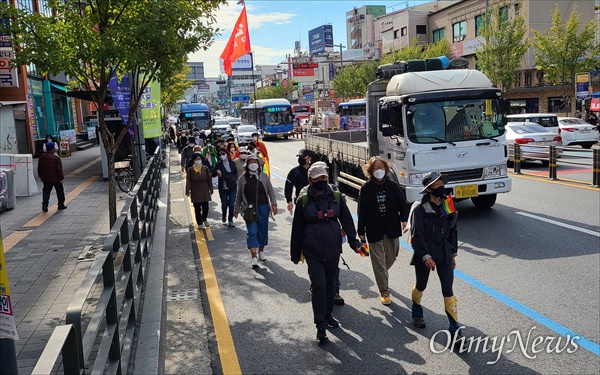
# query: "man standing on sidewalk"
[[51, 173]]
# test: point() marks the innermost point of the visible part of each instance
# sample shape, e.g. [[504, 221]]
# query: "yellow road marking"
[[79, 170], [227, 353], [542, 179], [15, 237]]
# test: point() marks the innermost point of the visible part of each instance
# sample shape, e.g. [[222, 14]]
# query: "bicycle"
[[124, 175]]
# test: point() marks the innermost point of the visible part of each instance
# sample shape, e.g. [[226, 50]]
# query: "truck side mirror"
[[390, 120]]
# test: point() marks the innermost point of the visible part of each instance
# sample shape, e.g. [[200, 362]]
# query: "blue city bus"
[[194, 115], [272, 117], [353, 114]]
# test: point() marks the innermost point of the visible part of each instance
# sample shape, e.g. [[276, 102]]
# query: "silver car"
[[534, 140], [244, 133]]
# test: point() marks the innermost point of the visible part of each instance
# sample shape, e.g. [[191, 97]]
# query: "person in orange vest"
[[260, 146]]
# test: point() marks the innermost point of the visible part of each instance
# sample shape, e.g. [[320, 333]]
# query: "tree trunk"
[[112, 192]]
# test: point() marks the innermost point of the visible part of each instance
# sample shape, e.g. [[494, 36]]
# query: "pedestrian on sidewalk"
[[435, 242], [199, 188], [186, 153], [239, 162], [51, 173], [226, 171], [256, 201], [297, 178], [316, 237], [382, 216], [210, 153]]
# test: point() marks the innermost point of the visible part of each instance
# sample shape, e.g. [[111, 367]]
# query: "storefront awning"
[[61, 89], [8, 103]]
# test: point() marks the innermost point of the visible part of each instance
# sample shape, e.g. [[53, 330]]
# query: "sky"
[[275, 25]]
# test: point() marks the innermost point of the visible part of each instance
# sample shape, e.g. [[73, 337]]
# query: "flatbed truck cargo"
[[423, 117]]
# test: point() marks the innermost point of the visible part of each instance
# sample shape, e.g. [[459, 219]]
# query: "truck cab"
[[447, 120]]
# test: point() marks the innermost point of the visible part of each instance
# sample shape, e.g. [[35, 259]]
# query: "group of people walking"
[[322, 221]]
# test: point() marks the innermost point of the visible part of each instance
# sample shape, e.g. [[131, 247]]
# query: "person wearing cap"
[[51, 173], [227, 175], [210, 153], [316, 237], [433, 235], [199, 187], [239, 162], [382, 215], [187, 152], [255, 193], [297, 178]]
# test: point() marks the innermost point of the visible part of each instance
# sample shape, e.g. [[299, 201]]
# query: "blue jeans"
[[257, 233], [227, 201]]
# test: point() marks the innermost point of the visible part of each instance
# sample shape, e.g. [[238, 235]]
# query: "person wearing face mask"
[[49, 138], [199, 187], [316, 237], [210, 152], [233, 151], [187, 152], [382, 215], [255, 193], [297, 178], [264, 153], [239, 162], [227, 175], [434, 239]]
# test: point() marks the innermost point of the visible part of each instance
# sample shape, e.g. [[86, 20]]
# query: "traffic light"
[[221, 82], [276, 83], [296, 84]]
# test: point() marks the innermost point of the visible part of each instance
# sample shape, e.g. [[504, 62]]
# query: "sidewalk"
[[42, 250]]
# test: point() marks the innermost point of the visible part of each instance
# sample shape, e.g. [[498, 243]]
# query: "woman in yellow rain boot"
[[434, 240]]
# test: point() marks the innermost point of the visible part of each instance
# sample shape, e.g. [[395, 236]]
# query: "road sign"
[[285, 81], [582, 85]]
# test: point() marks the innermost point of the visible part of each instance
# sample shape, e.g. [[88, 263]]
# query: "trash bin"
[[7, 190]]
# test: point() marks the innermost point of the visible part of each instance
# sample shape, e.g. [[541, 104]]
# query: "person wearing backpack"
[[316, 237], [382, 215]]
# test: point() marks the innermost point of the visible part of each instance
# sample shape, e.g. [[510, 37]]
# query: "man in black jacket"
[[382, 215], [317, 237], [297, 178]]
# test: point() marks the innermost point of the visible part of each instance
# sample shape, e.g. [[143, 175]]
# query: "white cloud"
[[226, 18]]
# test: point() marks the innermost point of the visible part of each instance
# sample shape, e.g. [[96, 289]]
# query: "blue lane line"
[[527, 311]]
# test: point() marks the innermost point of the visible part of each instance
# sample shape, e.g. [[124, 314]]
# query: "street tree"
[[499, 56], [274, 92], [565, 50], [93, 40], [352, 80], [417, 51], [173, 88]]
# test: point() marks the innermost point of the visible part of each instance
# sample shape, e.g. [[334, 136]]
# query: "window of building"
[[396, 34], [45, 8], [459, 31], [517, 8], [556, 104], [26, 5], [504, 13], [479, 24], [421, 29], [528, 78], [404, 31], [439, 34]]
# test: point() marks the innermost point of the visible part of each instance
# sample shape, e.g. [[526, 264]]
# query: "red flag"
[[239, 43]]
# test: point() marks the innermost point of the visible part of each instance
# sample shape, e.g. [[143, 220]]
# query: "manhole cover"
[[182, 295]]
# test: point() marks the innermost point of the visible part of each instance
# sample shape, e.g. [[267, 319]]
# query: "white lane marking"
[[291, 166], [275, 167], [587, 231]]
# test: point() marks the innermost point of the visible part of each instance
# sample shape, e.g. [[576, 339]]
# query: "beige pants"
[[383, 254]]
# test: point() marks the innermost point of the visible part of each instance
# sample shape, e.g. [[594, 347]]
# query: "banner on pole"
[[8, 328], [121, 95], [150, 105]]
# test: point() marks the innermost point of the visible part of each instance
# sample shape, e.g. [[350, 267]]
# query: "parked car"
[[224, 130], [547, 120], [575, 131], [534, 140], [244, 133], [234, 122]]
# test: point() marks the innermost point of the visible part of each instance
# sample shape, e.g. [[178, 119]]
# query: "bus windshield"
[[282, 117], [455, 120]]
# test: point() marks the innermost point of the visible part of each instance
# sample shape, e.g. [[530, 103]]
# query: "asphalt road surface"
[[527, 282]]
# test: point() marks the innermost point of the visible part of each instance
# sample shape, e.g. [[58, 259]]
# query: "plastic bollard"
[[517, 159], [552, 164]]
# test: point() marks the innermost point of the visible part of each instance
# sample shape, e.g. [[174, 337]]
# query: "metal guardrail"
[[553, 159], [113, 322]]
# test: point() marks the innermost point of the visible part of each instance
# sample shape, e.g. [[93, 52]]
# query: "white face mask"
[[198, 162], [255, 139], [243, 156], [253, 167], [232, 149], [223, 157], [379, 174]]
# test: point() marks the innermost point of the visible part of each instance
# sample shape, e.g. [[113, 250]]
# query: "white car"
[[534, 140], [575, 131], [234, 122], [224, 130], [244, 133]]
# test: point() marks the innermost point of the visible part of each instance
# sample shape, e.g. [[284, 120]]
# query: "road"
[[528, 266]]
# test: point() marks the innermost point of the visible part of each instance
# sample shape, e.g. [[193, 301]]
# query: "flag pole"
[[253, 80]]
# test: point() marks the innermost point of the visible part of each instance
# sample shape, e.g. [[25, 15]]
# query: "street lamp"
[[341, 58]]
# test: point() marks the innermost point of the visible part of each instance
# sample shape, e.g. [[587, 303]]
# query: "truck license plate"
[[466, 191]]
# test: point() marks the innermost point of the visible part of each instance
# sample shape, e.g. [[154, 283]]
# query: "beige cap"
[[316, 171]]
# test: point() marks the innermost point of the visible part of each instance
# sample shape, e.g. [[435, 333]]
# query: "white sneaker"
[[261, 256], [255, 262], [201, 226]]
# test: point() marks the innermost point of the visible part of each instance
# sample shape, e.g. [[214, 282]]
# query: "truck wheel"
[[484, 201]]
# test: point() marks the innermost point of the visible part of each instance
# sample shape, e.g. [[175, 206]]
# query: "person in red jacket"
[[51, 173]]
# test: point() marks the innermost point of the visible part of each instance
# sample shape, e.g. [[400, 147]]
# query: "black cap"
[[431, 177], [304, 153]]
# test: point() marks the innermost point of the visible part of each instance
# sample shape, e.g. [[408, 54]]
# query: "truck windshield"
[[454, 120]]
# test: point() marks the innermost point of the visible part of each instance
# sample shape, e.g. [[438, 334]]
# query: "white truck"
[[422, 116]]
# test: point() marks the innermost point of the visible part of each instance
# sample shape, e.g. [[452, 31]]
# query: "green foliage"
[[500, 56], [352, 80], [273, 92], [148, 39], [417, 51], [174, 87], [564, 50]]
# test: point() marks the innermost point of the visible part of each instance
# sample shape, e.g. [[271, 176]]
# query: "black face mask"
[[439, 192], [302, 161], [319, 185]]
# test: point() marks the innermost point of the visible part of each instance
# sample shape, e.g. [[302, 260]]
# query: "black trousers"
[[60, 193], [201, 212], [322, 278], [445, 273]]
